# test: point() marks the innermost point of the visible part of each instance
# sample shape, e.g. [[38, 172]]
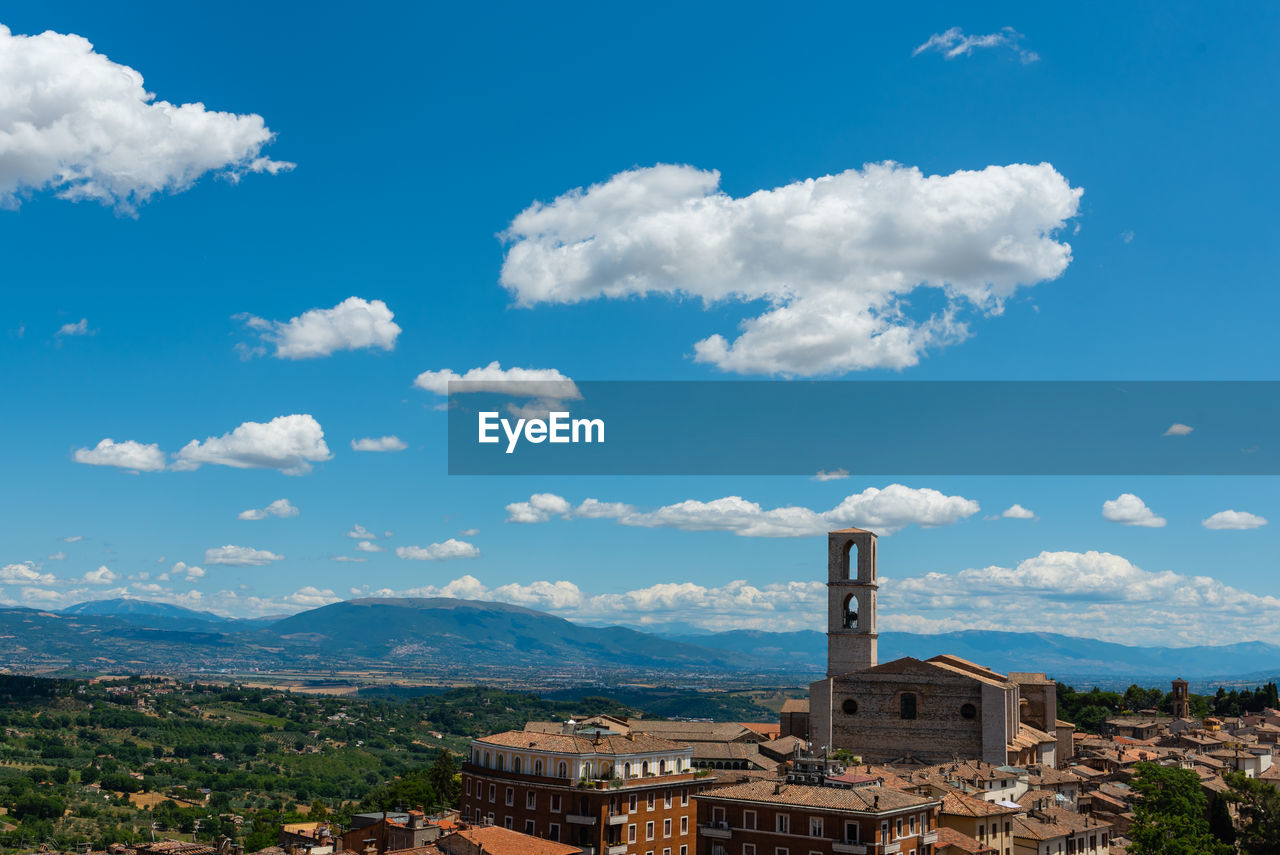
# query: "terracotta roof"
[[873, 800], [961, 804], [771, 729], [563, 743], [497, 840], [950, 840]]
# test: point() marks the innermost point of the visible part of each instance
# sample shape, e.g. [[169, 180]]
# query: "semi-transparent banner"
[[864, 427]]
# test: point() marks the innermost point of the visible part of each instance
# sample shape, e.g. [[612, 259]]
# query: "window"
[[530, 800], [489, 818], [684, 798], [783, 825], [815, 826], [897, 828], [717, 816], [493, 793], [537, 767], [684, 825], [555, 802], [851, 832], [516, 765], [506, 822], [684, 850], [528, 827], [850, 706], [650, 801], [502, 762], [631, 833], [748, 849], [631, 804], [486, 759], [749, 819], [666, 800], [648, 830], [511, 796], [907, 705], [781, 850], [666, 828], [467, 786], [968, 711], [911, 828], [884, 831], [626, 770], [553, 831], [562, 771]]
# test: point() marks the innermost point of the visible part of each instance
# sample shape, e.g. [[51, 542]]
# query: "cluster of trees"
[[1088, 710], [1175, 817]]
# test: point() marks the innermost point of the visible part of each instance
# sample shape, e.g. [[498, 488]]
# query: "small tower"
[[1181, 700], [851, 601]]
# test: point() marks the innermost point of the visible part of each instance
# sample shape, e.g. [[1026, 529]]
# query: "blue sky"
[[398, 144]]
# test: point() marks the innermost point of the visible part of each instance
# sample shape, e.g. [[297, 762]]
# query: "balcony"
[[616, 819], [849, 848], [616, 849], [716, 830], [580, 819], [929, 837]]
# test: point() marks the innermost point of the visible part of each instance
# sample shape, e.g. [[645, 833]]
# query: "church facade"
[[911, 710]]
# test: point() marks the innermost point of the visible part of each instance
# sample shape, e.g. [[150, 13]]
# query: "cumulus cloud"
[[288, 443], [1233, 521], [131, 455], [833, 475], [835, 258], [540, 508], [312, 597], [278, 508], [954, 43], [884, 510], [242, 556], [1178, 429], [1092, 594], [74, 122], [451, 548], [1017, 512], [379, 443], [495, 379], [359, 532], [1128, 509], [101, 576], [75, 538], [368, 546], [80, 327], [182, 569], [24, 573], [353, 324]]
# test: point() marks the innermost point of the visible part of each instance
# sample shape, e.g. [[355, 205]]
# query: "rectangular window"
[[781, 850], [783, 825], [506, 822], [897, 828], [493, 793], [684, 850], [666, 828], [684, 798], [884, 831], [749, 819], [748, 849], [511, 796], [648, 830], [631, 804], [666, 800], [489, 818], [528, 827], [468, 786], [530, 800], [649, 802], [631, 833], [815, 826], [717, 816], [911, 829], [684, 825], [666, 851], [851, 832], [553, 831], [555, 802]]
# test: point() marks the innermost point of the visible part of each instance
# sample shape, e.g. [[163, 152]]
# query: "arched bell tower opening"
[[851, 601]]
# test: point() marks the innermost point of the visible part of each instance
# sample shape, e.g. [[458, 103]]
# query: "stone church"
[[910, 710]]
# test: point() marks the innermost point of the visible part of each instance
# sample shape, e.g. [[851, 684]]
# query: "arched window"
[[562, 771], [502, 762], [662, 767], [537, 767], [849, 564], [851, 612], [907, 705], [644, 768], [626, 770], [606, 771], [486, 760], [516, 764]]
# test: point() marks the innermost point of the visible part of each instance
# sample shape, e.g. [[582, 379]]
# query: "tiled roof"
[[960, 804], [497, 840], [563, 743], [952, 841], [862, 800]]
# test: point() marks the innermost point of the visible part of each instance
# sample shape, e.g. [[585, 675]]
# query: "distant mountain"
[[147, 613], [1060, 656], [493, 640]]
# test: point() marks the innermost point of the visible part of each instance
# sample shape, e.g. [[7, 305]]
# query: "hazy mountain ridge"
[[412, 634]]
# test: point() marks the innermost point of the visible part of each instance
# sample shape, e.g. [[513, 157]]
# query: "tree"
[[1259, 805], [443, 775], [1171, 814]]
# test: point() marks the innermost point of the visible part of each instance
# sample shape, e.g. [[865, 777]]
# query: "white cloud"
[[540, 508], [493, 378], [101, 576], [1233, 521], [884, 510], [469, 532], [1091, 594], [359, 532], [278, 508], [1178, 429], [58, 556], [190, 572], [379, 443], [1128, 509], [80, 327], [954, 43], [288, 443], [75, 538], [451, 548], [126, 455], [350, 559], [1017, 512], [74, 122], [240, 556], [312, 597], [368, 546], [25, 573], [836, 258], [833, 475], [353, 324]]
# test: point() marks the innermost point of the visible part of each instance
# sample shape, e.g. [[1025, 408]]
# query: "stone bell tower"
[[851, 601]]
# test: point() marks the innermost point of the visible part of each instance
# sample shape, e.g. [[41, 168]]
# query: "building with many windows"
[[776, 818], [607, 793]]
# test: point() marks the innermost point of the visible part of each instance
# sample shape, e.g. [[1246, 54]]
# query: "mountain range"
[[450, 635]]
